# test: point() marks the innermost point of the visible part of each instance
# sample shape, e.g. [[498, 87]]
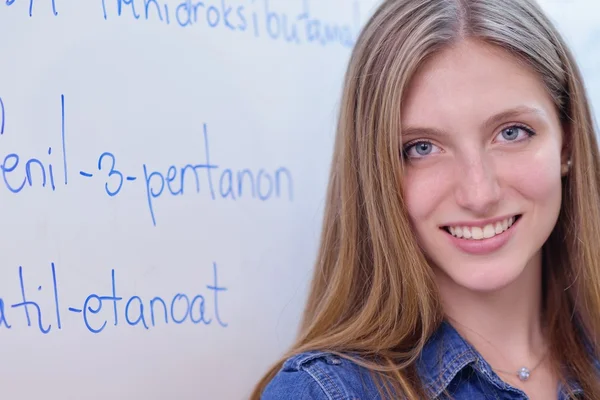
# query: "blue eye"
[[515, 133], [420, 149]]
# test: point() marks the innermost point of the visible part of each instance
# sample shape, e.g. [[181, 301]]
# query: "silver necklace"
[[523, 373]]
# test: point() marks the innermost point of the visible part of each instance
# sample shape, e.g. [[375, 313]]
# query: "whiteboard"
[[164, 165]]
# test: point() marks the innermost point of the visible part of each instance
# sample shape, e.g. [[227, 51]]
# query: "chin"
[[478, 276]]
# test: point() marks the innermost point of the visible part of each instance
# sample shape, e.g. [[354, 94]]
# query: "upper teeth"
[[481, 232]]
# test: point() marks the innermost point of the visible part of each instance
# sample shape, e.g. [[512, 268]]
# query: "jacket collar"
[[446, 354]]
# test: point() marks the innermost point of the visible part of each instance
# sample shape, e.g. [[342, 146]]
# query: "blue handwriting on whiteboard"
[[2, 113], [100, 310], [19, 172], [222, 183], [257, 17], [31, 4], [200, 176]]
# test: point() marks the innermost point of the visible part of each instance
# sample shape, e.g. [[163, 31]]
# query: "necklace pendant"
[[523, 374]]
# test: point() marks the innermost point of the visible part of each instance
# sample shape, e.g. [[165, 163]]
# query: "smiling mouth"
[[482, 232]]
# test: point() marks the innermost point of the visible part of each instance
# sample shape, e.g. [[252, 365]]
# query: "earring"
[[566, 168]]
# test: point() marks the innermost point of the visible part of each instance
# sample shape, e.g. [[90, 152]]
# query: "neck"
[[504, 326]]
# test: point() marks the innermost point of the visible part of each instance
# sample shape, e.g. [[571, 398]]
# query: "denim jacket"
[[448, 364]]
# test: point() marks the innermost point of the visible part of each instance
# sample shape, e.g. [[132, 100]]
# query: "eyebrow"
[[487, 124]]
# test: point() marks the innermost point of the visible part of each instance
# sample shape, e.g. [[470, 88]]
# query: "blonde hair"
[[373, 292]]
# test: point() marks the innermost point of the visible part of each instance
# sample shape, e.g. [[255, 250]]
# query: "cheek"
[[536, 177], [424, 190]]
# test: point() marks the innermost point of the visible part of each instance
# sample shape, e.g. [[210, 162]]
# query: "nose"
[[477, 188]]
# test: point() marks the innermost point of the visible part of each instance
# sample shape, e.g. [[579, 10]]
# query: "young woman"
[[460, 253]]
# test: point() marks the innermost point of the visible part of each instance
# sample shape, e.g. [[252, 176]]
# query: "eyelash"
[[528, 131]]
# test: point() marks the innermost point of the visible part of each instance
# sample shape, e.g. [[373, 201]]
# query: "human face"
[[483, 145]]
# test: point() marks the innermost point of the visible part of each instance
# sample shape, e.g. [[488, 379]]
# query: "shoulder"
[[320, 375]]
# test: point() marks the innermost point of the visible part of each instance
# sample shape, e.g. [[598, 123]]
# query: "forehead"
[[469, 82]]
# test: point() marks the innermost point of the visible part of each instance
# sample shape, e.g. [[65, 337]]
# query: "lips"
[[482, 239], [482, 231]]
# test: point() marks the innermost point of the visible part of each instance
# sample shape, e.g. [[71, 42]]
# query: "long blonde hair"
[[373, 293]]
